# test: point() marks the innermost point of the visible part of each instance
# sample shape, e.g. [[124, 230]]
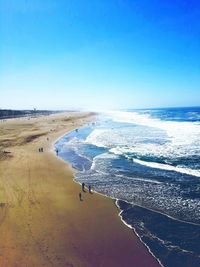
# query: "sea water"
[[149, 162]]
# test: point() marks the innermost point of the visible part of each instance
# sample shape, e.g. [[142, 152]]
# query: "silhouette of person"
[[83, 187], [80, 196]]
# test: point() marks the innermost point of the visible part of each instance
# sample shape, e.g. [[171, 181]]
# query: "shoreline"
[[135, 232], [39, 194], [115, 201]]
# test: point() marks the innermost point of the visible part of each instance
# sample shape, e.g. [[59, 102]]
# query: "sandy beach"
[[42, 221]]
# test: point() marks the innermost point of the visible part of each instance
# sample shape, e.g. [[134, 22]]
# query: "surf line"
[[166, 167], [132, 228], [175, 219]]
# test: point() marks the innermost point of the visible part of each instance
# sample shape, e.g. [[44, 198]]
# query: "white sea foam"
[[98, 165], [167, 150], [108, 137], [181, 139], [126, 150], [96, 138], [153, 138], [179, 132], [168, 167], [141, 179]]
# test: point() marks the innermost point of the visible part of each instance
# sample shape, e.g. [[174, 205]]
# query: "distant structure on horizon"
[[10, 113]]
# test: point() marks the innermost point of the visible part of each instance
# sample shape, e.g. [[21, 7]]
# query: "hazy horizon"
[[99, 55]]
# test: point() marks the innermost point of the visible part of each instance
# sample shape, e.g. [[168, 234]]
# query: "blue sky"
[[59, 54]]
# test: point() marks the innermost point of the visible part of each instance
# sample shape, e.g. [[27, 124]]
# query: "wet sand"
[[42, 221]]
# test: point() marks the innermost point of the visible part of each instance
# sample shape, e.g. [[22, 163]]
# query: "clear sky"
[[97, 54]]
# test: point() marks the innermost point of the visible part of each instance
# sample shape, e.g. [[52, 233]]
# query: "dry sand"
[[42, 221]]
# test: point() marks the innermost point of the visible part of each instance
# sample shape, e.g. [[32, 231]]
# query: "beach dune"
[[42, 220]]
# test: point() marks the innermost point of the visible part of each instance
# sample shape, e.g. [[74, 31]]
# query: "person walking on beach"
[[83, 187], [89, 189], [80, 196]]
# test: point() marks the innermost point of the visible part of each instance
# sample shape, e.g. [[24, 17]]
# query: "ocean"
[[148, 161]]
